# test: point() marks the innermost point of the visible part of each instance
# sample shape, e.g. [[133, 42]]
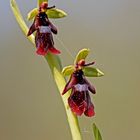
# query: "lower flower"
[[79, 100]]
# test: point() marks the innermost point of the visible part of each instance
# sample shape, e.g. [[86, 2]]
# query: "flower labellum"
[[44, 29], [79, 100]]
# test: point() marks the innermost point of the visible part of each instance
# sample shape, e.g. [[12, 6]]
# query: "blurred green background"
[[30, 106]]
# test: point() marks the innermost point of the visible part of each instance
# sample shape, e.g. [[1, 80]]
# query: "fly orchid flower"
[[44, 29], [79, 100]]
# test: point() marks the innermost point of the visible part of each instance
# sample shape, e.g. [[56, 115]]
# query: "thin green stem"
[[55, 66], [60, 82]]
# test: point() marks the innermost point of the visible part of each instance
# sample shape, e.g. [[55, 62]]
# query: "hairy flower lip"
[[80, 103]]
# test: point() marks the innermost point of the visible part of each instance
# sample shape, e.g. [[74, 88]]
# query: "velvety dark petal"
[[70, 84], [31, 29], [90, 87], [77, 102], [53, 28], [44, 43]]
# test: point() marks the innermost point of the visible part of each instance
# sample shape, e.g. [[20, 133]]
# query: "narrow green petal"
[[97, 133], [20, 20], [82, 54], [56, 13], [92, 72], [32, 14], [68, 70]]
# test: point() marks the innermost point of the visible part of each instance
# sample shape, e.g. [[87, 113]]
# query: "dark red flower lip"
[[80, 102], [42, 51]]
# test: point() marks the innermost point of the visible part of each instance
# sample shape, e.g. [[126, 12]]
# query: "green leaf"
[[68, 70], [56, 13], [20, 20], [32, 14], [97, 133], [52, 13], [82, 54], [92, 72], [40, 1]]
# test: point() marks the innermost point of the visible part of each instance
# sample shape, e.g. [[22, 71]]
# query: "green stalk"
[[53, 62], [55, 66]]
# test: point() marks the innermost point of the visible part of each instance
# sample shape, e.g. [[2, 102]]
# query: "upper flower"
[[44, 29]]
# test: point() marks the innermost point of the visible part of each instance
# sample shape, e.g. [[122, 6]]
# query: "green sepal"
[[56, 13], [92, 72], [52, 13], [68, 70], [97, 133], [32, 14], [82, 54]]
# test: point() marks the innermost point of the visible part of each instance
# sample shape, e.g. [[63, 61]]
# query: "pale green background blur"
[[30, 106]]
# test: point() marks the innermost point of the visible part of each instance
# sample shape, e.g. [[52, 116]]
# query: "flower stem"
[[53, 62], [55, 66]]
